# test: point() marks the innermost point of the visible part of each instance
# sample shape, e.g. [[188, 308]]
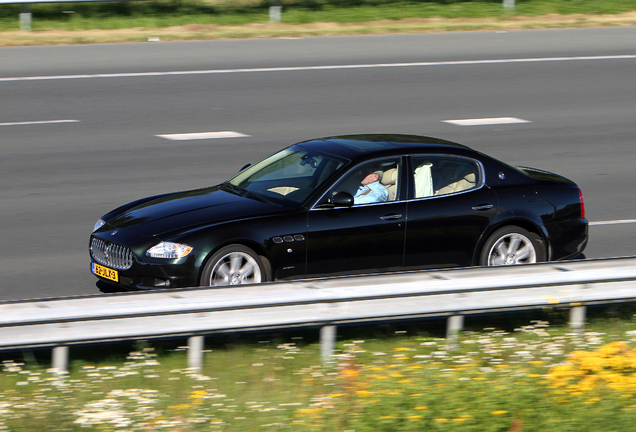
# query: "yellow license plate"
[[105, 272]]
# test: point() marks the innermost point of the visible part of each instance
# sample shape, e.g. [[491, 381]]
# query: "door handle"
[[391, 216], [483, 207]]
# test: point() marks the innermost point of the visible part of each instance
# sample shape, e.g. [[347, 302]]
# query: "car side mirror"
[[342, 199]]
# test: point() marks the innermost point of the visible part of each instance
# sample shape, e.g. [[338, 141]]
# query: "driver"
[[371, 190]]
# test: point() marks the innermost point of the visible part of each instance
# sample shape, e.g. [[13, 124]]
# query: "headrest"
[[388, 177]]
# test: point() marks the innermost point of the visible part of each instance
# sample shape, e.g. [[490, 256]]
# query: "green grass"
[[160, 14], [384, 377]]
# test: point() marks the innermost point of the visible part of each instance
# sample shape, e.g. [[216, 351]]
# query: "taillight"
[[582, 204]]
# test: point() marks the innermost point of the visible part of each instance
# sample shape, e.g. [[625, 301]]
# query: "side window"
[[442, 175], [372, 182]]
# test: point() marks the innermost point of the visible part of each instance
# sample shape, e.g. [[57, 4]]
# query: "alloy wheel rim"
[[512, 249], [235, 268]]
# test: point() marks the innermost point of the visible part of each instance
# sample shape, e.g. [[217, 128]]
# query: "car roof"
[[356, 146]]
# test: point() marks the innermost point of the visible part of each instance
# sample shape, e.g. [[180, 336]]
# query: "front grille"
[[111, 255]]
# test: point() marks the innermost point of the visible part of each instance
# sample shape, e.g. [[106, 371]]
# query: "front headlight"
[[169, 250], [100, 223]]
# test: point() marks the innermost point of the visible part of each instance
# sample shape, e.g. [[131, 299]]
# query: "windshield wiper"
[[256, 196], [227, 186], [246, 193]]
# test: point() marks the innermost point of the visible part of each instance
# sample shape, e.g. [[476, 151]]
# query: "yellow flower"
[[310, 410], [461, 419], [421, 408], [441, 420], [415, 417], [180, 407], [336, 395], [349, 373], [402, 349], [198, 394], [363, 393], [499, 412]]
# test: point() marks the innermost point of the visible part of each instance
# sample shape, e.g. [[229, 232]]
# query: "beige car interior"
[[389, 180], [441, 177]]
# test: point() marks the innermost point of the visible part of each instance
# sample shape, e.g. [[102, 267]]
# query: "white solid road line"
[[614, 222], [318, 68], [486, 121], [38, 122], [202, 135]]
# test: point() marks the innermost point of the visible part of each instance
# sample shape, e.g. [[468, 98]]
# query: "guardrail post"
[[454, 326], [195, 352], [327, 342], [577, 318], [275, 11], [60, 360], [25, 17]]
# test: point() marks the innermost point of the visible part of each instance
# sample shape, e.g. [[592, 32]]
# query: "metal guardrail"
[[26, 16], [320, 302]]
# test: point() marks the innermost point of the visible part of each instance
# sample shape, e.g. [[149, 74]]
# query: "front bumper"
[[147, 276]]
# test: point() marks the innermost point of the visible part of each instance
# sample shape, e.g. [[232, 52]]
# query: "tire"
[[512, 245], [235, 265]]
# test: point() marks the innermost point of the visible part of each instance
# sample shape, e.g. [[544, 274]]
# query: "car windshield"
[[287, 177]]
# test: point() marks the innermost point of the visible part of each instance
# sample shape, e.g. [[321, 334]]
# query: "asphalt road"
[[79, 124]]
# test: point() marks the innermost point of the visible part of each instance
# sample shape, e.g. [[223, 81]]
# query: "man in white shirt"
[[371, 190]]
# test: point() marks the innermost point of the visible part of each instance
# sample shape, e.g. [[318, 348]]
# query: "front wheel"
[[234, 265], [512, 245]]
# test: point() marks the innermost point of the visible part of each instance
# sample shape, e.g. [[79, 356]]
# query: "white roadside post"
[[454, 326], [327, 342], [577, 318], [60, 360], [25, 17], [275, 12], [195, 352]]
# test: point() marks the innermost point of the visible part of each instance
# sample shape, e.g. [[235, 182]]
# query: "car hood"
[[183, 211]]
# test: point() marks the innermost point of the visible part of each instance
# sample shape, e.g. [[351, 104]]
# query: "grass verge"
[[167, 20], [533, 377]]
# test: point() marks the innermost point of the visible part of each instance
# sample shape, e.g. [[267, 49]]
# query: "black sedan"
[[341, 205]]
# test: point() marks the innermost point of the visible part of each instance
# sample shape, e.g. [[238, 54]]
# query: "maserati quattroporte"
[[341, 205]]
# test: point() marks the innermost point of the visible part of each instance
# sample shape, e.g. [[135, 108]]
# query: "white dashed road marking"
[[202, 135], [614, 222], [38, 122], [487, 121]]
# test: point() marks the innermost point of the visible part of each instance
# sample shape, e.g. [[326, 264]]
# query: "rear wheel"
[[512, 245], [235, 265]]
